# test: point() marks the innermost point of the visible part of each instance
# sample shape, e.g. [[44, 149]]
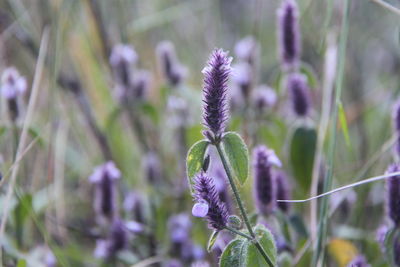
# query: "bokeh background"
[[53, 198]]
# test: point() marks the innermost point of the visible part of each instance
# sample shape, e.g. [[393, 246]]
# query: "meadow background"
[[65, 46]]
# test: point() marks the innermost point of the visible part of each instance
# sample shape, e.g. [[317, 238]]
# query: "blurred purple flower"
[[173, 263], [359, 261], [123, 59], [300, 93], [381, 235], [393, 195], [283, 190], [152, 167], [173, 71], [104, 177], [289, 34], [263, 97], [134, 206], [116, 241], [12, 86], [179, 228], [396, 123], [12, 83], [242, 76], [247, 50], [216, 75], [205, 191], [264, 180], [141, 85]]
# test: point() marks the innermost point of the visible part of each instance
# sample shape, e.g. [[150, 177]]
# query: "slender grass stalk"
[[387, 6], [240, 203], [322, 129], [319, 255], [24, 134]]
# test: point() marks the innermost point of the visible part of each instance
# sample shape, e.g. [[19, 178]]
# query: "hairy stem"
[[233, 230], [240, 204]]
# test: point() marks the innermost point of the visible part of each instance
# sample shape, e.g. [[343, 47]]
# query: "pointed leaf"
[[267, 242], [212, 240], [237, 156], [302, 151], [235, 254], [195, 158]]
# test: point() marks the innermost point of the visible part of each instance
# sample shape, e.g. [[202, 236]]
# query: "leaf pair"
[[235, 151]]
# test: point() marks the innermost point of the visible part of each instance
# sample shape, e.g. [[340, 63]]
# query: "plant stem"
[[238, 232], [240, 203], [318, 257]]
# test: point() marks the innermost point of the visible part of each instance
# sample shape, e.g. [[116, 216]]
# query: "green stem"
[[240, 204], [319, 255], [238, 232]]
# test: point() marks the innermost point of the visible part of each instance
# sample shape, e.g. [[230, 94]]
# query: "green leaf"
[[212, 240], [235, 254], [343, 124], [302, 150], [267, 242], [391, 236], [237, 155], [23, 208], [195, 158], [242, 252]]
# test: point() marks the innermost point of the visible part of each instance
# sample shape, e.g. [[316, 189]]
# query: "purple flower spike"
[[289, 34], [104, 178], [393, 195], [205, 191], [173, 71], [264, 180], [116, 241], [359, 261], [200, 209], [216, 74], [282, 191], [300, 94], [248, 50]]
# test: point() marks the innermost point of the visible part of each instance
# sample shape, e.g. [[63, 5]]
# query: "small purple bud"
[[200, 209], [50, 260], [205, 191], [264, 181], [247, 50], [216, 75], [104, 178], [300, 93], [173, 71], [12, 86], [282, 190], [263, 98], [123, 59], [359, 261], [393, 195], [289, 34]]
